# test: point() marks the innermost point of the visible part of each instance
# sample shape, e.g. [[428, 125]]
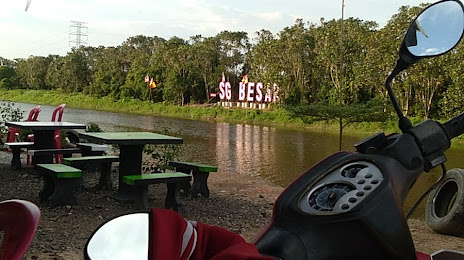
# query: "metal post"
[[341, 77]]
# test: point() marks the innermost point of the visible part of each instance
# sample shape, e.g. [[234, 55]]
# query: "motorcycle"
[[349, 205]]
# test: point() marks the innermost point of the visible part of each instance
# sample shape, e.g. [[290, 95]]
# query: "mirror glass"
[[125, 237], [436, 30]]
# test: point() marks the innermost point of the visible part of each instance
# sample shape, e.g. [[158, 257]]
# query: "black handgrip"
[[455, 126]]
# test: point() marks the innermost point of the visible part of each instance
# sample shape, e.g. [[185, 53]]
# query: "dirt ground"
[[239, 203]]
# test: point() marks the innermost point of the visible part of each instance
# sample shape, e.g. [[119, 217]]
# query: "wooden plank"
[[169, 177]]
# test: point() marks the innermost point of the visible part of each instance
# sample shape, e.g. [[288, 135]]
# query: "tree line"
[[303, 59]]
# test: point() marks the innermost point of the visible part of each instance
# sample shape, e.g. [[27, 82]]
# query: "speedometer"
[[326, 197], [342, 189]]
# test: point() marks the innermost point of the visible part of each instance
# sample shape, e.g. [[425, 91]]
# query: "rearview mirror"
[[124, 237], [435, 31]]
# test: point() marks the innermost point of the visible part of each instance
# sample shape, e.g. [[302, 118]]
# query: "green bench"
[[141, 182], [102, 162], [59, 183], [16, 151], [200, 174]]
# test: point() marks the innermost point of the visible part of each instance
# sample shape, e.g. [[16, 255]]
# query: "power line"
[[24, 47], [78, 33]]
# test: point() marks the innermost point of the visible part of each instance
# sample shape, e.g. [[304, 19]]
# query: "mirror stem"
[[404, 123]]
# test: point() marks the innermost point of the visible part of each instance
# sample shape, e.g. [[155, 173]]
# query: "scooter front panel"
[[342, 189]]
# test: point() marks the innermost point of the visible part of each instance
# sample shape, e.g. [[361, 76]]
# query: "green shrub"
[[160, 155], [8, 112], [93, 127]]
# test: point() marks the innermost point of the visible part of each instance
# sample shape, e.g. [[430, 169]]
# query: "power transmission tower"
[[78, 32]]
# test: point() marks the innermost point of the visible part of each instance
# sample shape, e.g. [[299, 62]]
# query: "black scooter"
[[350, 205]]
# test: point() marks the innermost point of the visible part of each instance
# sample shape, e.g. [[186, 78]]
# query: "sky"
[[46, 27]]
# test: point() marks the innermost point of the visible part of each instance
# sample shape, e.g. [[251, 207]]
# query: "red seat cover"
[[18, 221]]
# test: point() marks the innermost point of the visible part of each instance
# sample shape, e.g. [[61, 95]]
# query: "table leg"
[[48, 188], [186, 186], [43, 139], [130, 163], [104, 182], [16, 160], [64, 192], [200, 184], [172, 198], [141, 198]]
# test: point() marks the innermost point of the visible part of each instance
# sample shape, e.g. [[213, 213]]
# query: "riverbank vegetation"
[[302, 59], [278, 116]]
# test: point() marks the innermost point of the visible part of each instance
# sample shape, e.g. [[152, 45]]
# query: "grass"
[[276, 117]]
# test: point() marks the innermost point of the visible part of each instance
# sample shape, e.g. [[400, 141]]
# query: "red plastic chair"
[[12, 131], [57, 115], [18, 221]]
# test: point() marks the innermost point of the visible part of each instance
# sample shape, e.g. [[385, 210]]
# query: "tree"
[[110, 70], [452, 101], [392, 34], [205, 60], [32, 72], [141, 49], [233, 47], [55, 73], [174, 55], [354, 49], [70, 73], [296, 47], [8, 77], [263, 58], [426, 78]]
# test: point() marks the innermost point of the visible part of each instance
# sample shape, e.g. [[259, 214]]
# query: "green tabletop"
[[130, 138]]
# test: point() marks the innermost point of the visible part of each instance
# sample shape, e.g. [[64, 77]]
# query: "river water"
[[279, 155]]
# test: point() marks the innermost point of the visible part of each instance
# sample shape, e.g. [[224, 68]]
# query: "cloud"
[[270, 16]]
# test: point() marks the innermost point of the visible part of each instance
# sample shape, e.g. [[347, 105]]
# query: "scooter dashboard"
[[342, 189]]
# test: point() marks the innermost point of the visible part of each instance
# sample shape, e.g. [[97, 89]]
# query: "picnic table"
[[44, 134], [131, 146]]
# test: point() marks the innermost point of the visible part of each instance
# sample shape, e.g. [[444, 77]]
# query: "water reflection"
[[278, 155]]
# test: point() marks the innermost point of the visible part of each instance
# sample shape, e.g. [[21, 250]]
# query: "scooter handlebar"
[[455, 126]]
